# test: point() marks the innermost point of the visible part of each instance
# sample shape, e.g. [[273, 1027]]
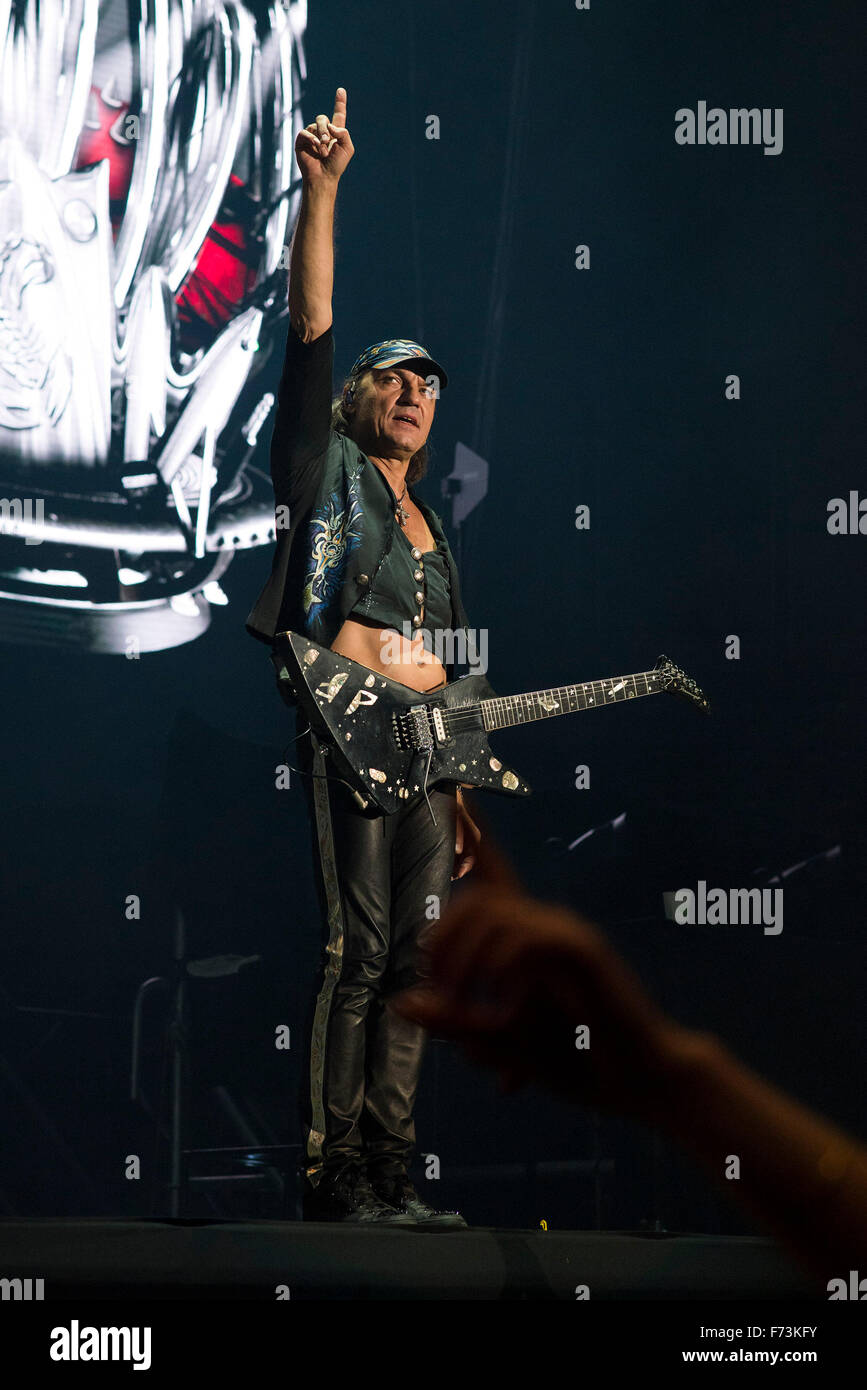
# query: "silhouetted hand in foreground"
[[518, 983], [515, 980]]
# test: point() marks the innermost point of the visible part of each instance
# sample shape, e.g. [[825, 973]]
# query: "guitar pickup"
[[439, 725]]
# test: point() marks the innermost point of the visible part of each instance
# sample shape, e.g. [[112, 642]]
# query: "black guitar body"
[[387, 740], [393, 744]]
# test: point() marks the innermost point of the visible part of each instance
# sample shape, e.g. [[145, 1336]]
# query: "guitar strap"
[[334, 956]]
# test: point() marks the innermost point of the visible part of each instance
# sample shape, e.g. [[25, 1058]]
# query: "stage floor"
[[154, 1259]]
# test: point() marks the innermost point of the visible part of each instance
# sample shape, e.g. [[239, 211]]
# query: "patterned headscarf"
[[394, 352]]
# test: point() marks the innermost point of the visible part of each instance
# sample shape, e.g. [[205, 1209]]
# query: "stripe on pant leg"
[[334, 959]]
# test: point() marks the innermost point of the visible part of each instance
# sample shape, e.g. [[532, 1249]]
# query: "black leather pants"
[[382, 881]]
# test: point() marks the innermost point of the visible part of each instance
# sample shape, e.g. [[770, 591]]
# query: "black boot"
[[401, 1196], [348, 1197]]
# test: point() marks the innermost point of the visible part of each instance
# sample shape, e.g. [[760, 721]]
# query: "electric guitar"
[[393, 743]]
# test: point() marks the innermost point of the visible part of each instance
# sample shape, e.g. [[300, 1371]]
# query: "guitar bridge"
[[413, 731]]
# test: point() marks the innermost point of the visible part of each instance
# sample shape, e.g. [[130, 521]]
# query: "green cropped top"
[[410, 589]]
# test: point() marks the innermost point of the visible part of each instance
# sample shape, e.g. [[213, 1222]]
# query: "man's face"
[[392, 412]]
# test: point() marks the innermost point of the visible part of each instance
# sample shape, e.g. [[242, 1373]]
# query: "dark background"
[[708, 518]]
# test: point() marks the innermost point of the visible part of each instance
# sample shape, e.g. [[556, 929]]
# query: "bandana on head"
[[394, 351]]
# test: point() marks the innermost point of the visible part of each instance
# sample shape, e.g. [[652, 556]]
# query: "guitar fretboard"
[[505, 710]]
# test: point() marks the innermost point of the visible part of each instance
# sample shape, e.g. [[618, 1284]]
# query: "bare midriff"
[[387, 651]]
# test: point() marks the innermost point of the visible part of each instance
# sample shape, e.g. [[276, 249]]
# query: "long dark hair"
[[341, 424]]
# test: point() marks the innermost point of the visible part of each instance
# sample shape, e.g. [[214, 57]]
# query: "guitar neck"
[[506, 710]]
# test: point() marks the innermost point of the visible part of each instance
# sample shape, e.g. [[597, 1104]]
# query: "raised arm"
[[323, 151], [303, 419]]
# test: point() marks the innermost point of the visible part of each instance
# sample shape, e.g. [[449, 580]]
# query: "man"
[[360, 562]]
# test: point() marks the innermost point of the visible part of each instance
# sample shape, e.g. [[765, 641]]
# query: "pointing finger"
[[339, 117]]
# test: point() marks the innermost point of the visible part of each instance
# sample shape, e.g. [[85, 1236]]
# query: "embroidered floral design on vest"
[[333, 533]]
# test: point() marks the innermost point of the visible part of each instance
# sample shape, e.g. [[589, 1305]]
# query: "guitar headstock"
[[679, 683]]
